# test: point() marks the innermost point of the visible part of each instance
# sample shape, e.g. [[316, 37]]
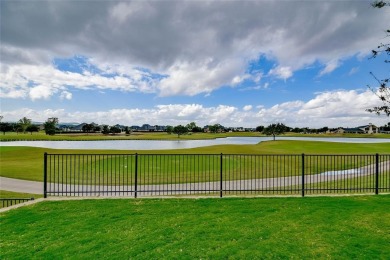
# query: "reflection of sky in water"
[[181, 144]]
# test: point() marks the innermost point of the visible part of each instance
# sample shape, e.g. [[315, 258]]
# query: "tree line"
[[50, 127]]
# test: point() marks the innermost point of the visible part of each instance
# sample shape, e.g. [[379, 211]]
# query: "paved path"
[[16, 185], [188, 188]]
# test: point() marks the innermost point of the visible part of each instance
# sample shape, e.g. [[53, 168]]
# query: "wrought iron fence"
[[220, 175], [7, 202]]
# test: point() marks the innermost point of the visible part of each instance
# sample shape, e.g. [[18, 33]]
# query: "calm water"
[[169, 144]]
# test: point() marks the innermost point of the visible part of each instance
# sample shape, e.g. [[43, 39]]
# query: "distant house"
[[160, 128], [79, 127], [147, 128], [135, 128], [121, 127], [365, 129]]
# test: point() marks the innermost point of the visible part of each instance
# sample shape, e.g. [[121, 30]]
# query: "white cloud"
[[339, 104], [66, 95], [333, 109], [16, 80], [15, 93], [192, 78], [247, 107], [189, 42], [330, 66], [41, 92], [185, 48], [281, 72], [353, 71]]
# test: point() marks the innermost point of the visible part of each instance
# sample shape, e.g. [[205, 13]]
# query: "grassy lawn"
[[11, 195], [27, 162], [267, 228]]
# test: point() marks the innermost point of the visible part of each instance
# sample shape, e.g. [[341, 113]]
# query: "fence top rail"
[[208, 154]]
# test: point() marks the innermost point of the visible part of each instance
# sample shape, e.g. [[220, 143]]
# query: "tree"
[[97, 129], [32, 128], [6, 127], [275, 129], [88, 128], [127, 130], [17, 128], [216, 128], [24, 123], [180, 130], [105, 130], [169, 129], [197, 129], [385, 127], [260, 128], [192, 127], [50, 125], [115, 130], [383, 91]]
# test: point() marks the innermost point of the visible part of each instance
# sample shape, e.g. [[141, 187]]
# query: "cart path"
[[35, 187], [17, 185]]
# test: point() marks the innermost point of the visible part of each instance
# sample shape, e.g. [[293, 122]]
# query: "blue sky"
[[237, 63]]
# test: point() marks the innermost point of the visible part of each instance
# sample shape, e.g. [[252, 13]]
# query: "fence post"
[[377, 173], [303, 175], [45, 175], [136, 175], [221, 181]]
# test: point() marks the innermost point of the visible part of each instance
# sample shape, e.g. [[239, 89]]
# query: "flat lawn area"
[[27, 162], [267, 228]]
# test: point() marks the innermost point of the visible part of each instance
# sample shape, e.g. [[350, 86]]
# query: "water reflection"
[[169, 144]]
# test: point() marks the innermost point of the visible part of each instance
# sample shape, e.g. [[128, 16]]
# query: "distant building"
[[135, 128], [365, 129]]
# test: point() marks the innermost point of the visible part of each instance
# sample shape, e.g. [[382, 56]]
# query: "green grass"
[[11, 195], [261, 228], [27, 162]]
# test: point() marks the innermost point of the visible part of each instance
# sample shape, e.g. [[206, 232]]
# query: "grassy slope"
[[27, 162], [267, 228], [11, 195]]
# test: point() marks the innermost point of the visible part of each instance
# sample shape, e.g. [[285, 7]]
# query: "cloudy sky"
[[237, 63]]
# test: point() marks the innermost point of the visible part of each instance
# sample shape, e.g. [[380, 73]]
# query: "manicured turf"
[[10, 195], [266, 228], [27, 162]]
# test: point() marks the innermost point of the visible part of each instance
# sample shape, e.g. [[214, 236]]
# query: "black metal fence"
[[7, 202], [220, 175]]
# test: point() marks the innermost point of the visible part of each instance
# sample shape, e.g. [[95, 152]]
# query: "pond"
[[181, 144]]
